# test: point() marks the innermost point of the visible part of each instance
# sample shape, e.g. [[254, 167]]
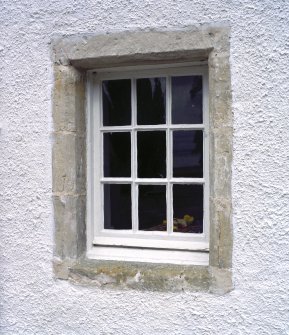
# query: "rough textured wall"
[[32, 302]]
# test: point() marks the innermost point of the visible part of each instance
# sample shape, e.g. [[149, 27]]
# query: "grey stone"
[[221, 280], [69, 163], [140, 276], [69, 99], [70, 229], [221, 233], [88, 51]]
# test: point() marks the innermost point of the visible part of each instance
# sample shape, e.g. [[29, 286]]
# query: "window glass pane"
[[151, 101], [187, 99], [117, 206], [116, 102], [151, 154], [188, 208], [152, 207], [188, 153], [116, 154]]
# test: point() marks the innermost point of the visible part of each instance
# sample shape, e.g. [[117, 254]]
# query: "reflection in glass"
[[151, 154], [117, 206], [188, 153], [116, 154], [151, 97], [188, 208], [152, 207], [187, 99], [116, 102]]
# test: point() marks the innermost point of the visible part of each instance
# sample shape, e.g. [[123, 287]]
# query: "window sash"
[[134, 237]]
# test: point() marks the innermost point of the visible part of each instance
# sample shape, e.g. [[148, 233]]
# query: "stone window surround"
[[72, 56]]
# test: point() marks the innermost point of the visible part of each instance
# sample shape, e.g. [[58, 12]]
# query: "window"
[[150, 162], [101, 164]]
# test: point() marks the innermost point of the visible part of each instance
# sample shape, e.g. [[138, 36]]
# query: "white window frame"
[[133, 245]]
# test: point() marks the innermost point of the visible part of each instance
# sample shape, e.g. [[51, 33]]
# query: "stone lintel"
[[119, 49]]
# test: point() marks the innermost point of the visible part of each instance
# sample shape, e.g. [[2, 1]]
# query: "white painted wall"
[[32, 302]]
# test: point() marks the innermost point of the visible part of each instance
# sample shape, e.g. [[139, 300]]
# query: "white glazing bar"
[[115, 129], [99, 96], [90, 230], [169, 157], [168, 122], [145, 181], [134, 190], [97, 153], [115, 180], [167, 152], [101, 163], [204, 175], [162, 181], [153, 127], [187, 180], [170, 209], [136, 221], [186, 126], [206, 155]]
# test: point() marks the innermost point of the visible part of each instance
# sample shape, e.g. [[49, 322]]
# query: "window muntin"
[[169, 161]]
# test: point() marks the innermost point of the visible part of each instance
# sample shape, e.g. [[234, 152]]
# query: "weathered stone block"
[[69, 214], [69, 163], [221, 280], [87, 51], [139, 276], [221, 182], [221, 233], [69, 99]]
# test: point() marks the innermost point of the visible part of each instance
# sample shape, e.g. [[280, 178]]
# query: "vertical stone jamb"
[[220, 154], [69, 162]]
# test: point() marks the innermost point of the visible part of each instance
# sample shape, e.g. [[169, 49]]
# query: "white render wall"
[[31, 301]]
